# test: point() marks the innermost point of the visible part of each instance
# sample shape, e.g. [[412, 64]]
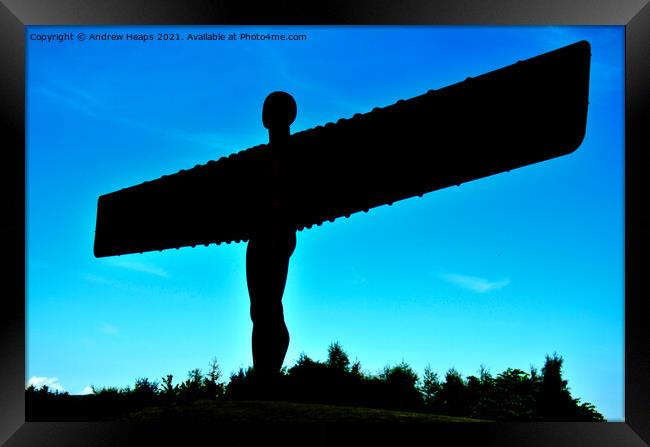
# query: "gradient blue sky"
[[499, 272]]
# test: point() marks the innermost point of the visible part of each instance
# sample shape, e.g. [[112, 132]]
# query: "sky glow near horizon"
[[499, 272]]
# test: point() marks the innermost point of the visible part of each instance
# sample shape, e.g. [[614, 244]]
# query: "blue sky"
[[499, 272]]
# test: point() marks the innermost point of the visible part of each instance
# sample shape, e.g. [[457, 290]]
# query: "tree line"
[[512, 395]]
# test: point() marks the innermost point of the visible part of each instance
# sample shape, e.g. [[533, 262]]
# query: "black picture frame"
[[16, 14]]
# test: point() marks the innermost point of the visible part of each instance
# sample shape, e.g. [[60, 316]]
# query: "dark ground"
[[85, 408], [281, 412]]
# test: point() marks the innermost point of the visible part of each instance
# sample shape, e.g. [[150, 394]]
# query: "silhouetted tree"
[[212, 387], [484, 405], [337, 357], [311, 381], [145, 390], [588, 412], [355, 370], [401, 389], [167, 389], [240, 385], [511, 395], [44, 390], [451, 397], [554, 402], [191, 388], [534, 374], [473, 390], [430, 388], [515, 396]]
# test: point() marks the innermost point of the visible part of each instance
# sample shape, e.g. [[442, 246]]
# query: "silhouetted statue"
[[525, 113], [270, 246]]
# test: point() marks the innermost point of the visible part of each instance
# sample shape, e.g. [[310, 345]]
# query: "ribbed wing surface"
[[525, 113]]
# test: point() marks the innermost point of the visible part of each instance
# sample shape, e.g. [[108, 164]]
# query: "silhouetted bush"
[[240, 386], [145, 391], [168, 391], [400, 390], [513, 395]]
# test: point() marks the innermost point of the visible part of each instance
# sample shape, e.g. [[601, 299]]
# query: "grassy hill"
[[280, 412]]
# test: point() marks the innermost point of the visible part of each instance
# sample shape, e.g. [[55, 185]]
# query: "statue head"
[[279, 110]]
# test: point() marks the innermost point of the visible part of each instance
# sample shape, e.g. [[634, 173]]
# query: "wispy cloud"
[[100, 280], [475, 283], [71, 97], [282, 68], [51, 382], [218, 144], [138, 267], [97, 106], [108, 329], [86, 390]]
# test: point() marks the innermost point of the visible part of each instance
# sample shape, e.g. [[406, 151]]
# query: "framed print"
[[496, 273]]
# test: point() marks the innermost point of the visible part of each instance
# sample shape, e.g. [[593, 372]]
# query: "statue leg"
[[267, 265]]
